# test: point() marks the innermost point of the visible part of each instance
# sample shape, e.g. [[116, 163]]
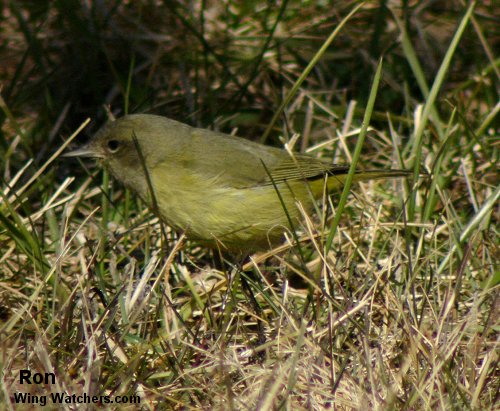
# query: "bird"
[[220, 190]]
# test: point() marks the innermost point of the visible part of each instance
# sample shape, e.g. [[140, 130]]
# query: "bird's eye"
[[113, 146]]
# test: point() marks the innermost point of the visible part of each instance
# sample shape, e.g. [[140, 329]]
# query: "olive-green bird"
[[219, 189]]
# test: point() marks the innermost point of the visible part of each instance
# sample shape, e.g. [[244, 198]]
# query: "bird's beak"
[[85, 151]]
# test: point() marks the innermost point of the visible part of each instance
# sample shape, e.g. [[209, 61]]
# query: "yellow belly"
[[239, 219]]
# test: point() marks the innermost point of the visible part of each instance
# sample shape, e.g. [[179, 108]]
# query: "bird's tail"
[[337, 181]]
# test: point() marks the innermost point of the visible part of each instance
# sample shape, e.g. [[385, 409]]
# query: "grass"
[[391, 302]]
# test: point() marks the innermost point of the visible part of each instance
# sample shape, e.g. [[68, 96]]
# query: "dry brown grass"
[[400, 313]]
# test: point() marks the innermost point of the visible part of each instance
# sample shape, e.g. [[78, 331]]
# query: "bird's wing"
[[302, 167], [241, 163]]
